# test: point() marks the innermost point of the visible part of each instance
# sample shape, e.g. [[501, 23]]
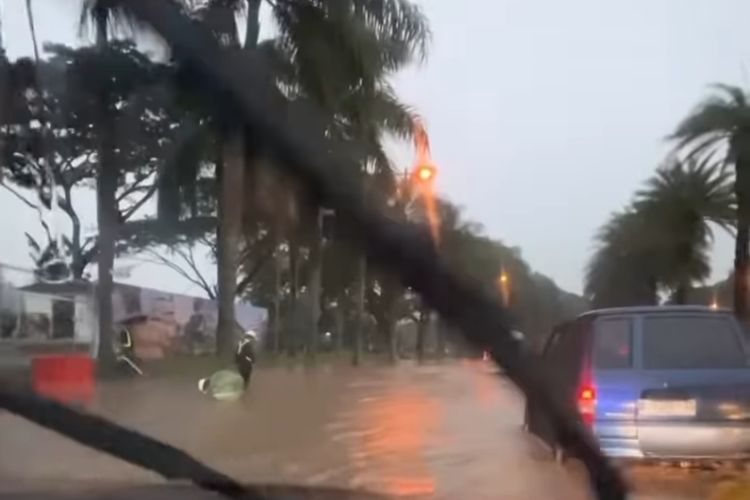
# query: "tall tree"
[[338, 56], [51, 141], [335, 48], [220, 17], [101, 15], [679, 203], [662, 241], [720, 126], [106, 186], [624, 268]]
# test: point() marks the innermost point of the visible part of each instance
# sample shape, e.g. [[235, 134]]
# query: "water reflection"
[[399, 423], [447, 431]]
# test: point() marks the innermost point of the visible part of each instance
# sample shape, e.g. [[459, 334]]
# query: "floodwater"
[[434, 431]]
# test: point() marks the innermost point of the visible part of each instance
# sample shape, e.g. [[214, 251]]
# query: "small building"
[[62, 317]]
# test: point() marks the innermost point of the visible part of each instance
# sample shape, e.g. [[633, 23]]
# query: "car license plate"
[[667, 408]]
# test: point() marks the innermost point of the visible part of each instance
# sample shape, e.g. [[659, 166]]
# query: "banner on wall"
[[163, 323]]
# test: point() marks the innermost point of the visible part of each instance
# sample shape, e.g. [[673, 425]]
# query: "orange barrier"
[[68, 378]]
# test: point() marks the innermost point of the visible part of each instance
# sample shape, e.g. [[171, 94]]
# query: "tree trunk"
[[252, 27], [742, 242], [292, 313], [230, 203], [276, 325], [392, 336], [316, 274], [741, 260], [439, 338], [338, 318], [106, 214], [360, 310], [422, 332], [229, 237], [680, 294]]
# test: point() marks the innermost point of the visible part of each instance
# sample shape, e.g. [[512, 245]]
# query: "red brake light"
[[587, 403], [588, 394]]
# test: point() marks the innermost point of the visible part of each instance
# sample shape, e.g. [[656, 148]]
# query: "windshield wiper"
[[126, 444]]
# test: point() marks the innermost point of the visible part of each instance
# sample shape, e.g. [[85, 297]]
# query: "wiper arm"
[[126, 444]]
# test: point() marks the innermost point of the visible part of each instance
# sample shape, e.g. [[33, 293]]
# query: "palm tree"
[[327, 55], [369, 116], [662, 240], [720, 125], [679, 204], [101, 15], [623, 270], [353, 92], [220, 16], [335, 50]]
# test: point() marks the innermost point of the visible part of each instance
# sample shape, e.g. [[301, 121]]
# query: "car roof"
[[654, 310]]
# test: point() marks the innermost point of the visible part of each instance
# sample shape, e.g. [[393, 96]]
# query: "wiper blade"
[[126, 444]]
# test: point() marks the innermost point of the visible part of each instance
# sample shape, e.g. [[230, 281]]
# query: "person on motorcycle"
[[244, 356], [229, 385]]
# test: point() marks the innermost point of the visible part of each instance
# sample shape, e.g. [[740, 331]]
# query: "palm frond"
[[736, 95], [111, 12]]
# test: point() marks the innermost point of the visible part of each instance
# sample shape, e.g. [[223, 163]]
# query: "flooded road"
[[435, 431]]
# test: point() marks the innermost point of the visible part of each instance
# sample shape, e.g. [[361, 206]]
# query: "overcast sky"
[[544, 116]]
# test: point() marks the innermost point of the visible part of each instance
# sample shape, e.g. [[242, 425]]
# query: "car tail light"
[[587, 403]]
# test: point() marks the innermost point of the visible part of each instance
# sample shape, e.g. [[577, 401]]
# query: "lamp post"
[[316, 278], [420, 185]]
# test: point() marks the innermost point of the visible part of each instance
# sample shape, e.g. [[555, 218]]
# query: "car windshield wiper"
[[236, 83], [126, 444], [151, 454]]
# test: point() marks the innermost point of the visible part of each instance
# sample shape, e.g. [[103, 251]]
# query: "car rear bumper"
[[682, 441], [695, 440]]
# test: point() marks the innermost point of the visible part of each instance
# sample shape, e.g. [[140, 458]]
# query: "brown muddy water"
[[434, 431]]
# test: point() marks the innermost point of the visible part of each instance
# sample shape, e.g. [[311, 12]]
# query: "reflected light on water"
[[401, 424], [486, 388]]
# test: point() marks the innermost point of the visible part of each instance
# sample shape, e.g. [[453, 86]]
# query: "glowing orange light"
[[503, 278], [425, 173], [588, 394]]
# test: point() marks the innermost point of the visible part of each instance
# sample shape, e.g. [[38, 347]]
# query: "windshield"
[[292, 238]]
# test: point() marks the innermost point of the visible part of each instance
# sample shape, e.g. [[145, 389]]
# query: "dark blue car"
[[669, 382]]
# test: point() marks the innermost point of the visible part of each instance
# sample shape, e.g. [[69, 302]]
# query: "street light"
[[425, 174], [504, 283]]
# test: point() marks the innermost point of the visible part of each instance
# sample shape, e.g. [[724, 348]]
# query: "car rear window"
[[691, 342], [613, 343]]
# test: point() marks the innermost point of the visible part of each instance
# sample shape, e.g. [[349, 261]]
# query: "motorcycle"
[[228, 385]]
